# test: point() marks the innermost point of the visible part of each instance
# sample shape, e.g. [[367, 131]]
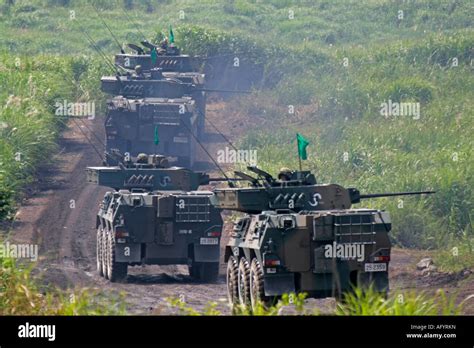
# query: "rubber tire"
[[232, 279], [116, 271], [99, 252], [244, 282], [257, 290], [205, 272], [105, 254]]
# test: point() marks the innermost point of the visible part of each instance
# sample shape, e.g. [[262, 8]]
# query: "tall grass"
[[358, 302], [20, 295], [315, 24], [368, 302], [29, 89]]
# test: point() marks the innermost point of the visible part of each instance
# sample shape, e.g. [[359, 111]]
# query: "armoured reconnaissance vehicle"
[[156, 103], [160, 125], [154, 215], [149, 110], [300, 236], [147, 107]]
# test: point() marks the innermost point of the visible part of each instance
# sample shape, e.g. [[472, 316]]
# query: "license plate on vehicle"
[[209, 241], [375, 267]]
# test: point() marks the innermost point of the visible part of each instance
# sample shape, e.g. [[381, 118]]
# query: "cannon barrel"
[[356, 196], [222, 90], [226, 179], [261, 172]]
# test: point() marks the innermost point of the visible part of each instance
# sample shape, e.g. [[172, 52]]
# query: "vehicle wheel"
[[257, 291], [99, 254], [116, 271], [206, 272], [232, 281], [105, 253], [244, 282]]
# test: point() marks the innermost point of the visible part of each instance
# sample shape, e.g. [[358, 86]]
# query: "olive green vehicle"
[[300, 236], [153, 107], [155, 216], [153, 114], [131, 127]]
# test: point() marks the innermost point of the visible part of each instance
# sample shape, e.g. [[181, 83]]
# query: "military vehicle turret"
[[152, 56], [300, 236], [153, 84], [154, 215]]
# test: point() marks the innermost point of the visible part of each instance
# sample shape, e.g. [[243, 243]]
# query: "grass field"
[[334, 62]]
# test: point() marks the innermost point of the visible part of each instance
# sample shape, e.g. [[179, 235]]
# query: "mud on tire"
[[232, 275], [99, 252], [244, 282], [105, 253], [257, 291], [116, 271]]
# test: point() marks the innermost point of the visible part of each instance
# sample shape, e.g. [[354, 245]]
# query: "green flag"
[[153, 55], [171, 35], [156, 138], [302, 143]]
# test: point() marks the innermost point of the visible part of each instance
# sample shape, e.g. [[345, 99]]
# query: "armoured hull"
[[154, 215], [159, 228], [322, 253]]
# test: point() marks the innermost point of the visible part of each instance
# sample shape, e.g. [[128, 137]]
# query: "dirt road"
[[60, 217]]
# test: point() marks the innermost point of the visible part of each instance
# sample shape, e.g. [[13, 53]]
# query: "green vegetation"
[[20, 295], [26, 26], [358, 302], [29, 89], [460, 257], [336, 62], [294, 301], [367, 302]]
